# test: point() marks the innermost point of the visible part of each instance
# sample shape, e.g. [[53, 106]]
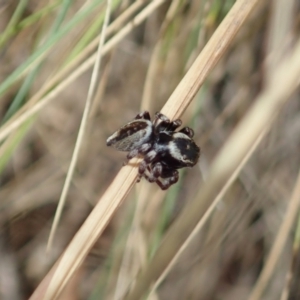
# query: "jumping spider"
[[163, 149]]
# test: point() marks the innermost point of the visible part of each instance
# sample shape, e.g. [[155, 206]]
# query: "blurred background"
[[39, 39]]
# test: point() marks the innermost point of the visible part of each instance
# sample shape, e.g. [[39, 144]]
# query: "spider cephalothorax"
[[163, 149]]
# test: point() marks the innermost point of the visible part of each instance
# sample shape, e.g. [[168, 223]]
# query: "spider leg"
[[165, 124], [160, 117], [187, 131], [143, 115], [145, 163], [157, 169], [148, 175], [153, 172], [135, 152], [168, 126], [143, 149], [161, 122], [168, 178], [164, 177], [141, 171]]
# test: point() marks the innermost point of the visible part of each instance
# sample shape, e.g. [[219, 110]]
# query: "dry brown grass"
[[214, 247]]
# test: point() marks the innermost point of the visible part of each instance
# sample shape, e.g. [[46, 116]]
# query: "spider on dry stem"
[[163, 149]]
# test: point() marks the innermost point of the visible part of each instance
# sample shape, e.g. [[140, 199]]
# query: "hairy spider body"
[[163, 149]]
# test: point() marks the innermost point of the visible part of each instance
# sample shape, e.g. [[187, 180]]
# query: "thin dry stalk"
[[103, 211], [281, 26], [208, 58], [91, 93], [136, 247], [260, 116], [12, 125], [232, 106], [87, 235], [115, 26], [292, 284], [101, 89], [143, 192], [279, 243], [150, 77], [208, 212], [279, 44], [58, 77]]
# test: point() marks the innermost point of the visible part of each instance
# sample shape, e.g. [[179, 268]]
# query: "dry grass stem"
[[292, 288], [152, 69], [280, 242], [88, 233], [61, 74], [136, 247], [225, 229], [208, 58], [91, 93], [100, 90], [260, 116], [80, 70], [177, 103], [209, 211], [280, 32], [144, 190], [279, 43]]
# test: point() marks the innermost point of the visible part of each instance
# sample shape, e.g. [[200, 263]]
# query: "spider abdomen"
[[131, 136]]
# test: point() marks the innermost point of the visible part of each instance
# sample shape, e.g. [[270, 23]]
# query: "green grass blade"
[[35, 57], [13, 142], [10, 29], [23, 91], [90, 34]]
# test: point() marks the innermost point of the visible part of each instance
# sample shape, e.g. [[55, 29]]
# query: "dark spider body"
[[163, 149]]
